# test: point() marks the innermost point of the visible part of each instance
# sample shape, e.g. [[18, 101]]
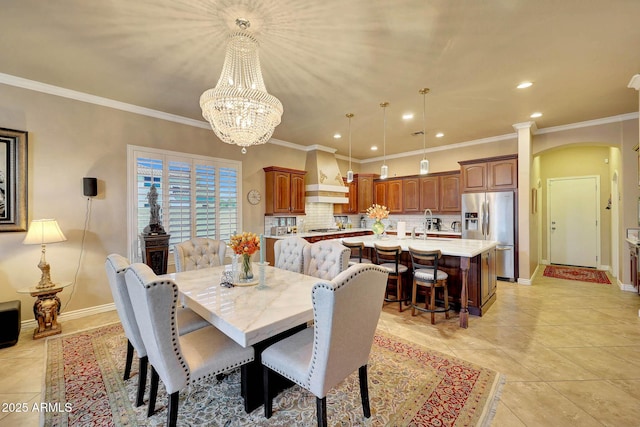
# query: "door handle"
[[503, 249]]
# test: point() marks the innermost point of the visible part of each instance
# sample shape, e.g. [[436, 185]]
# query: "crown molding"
[[123, 106]]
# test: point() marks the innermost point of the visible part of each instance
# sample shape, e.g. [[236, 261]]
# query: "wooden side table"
[[155, 251], [46, 309]]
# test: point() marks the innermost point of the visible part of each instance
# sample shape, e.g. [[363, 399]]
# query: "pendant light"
[[424, 163], [350, 171], [384, 170]]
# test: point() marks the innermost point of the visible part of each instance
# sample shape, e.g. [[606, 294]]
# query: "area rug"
[[575, 273], [409, 385]]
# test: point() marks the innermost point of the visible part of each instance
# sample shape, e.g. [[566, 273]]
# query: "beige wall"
[[69, 140], [582, 152], [442, 161]]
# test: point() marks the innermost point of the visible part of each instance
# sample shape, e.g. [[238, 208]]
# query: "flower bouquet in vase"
[[245, 245], [378, 212]]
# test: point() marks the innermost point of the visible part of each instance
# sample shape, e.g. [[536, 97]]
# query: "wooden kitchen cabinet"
[[411, 196], [365, 191], [439, 192], [389, 193], [352, 206], [430, 193], [489, 174], [284, 191], [450, 200]]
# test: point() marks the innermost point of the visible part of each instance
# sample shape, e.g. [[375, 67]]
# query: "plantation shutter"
[[177, 221], [198, 195], [228, 202], [205, 193]]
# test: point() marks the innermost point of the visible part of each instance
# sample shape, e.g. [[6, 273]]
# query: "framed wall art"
[[13, 180]]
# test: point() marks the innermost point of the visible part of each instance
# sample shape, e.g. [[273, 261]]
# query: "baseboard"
[[76, 314], [627, 287]]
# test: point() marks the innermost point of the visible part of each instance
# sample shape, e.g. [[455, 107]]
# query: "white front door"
[[573, 221]]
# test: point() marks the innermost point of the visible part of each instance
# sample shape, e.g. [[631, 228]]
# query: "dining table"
[[275, 305]]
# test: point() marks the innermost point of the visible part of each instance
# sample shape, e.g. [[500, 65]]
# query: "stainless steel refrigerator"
[[491, 216]]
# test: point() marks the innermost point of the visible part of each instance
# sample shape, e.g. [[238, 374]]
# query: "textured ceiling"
[[323, 59]]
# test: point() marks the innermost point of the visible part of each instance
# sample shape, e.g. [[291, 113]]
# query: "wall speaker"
[[90, 186]]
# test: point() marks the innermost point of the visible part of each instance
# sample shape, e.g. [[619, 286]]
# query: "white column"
[[526, 261]]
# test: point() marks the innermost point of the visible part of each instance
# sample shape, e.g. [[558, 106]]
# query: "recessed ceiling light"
[[374, 148], [337, 136], [439, 135], [524, 85], [407, 116], [536, 115]]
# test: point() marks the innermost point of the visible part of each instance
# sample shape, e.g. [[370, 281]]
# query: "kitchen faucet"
[[427, 224]]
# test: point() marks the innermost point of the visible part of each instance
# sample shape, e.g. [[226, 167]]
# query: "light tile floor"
[[570, 352]]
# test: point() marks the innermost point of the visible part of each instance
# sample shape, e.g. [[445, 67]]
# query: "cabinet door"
[[503, 174], [352, 205], [365, 192], [474, 177], [450, 200], [282, 192], [394, 195], [297, 193], [429, 193], [380, 193], [411, 197]]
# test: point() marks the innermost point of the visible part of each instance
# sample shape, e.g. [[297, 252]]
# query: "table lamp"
[[41, 232]]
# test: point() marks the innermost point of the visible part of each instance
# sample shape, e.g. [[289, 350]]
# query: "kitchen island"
[[469, 263]]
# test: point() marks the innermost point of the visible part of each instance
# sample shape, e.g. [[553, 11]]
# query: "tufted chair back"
[[199, 252], [289, 253], [116, 265], [326, 259], [343, 336], [155, 300], [320, 357]]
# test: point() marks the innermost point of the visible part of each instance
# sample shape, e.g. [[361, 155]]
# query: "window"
[[198, 195]]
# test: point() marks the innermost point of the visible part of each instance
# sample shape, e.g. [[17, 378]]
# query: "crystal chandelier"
[[424, 163], [384, 170], [350, 171], [239, 108]]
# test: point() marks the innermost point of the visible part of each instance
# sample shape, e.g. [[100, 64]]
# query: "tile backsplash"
[[320, 215]]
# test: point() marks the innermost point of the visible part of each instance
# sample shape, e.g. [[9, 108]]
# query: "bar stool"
[[426, 273], [357, 250], [388, 257]]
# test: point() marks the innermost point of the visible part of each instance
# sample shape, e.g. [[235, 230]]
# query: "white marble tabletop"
[[248, 314], [454, 247]]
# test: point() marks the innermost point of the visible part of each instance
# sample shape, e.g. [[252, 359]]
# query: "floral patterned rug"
[[574, 273], [408, 385]]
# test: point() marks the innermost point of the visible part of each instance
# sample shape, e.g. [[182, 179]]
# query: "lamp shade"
[[43, 231]]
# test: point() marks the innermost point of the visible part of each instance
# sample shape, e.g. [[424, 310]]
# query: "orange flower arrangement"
[[377, 212], [245, 243]]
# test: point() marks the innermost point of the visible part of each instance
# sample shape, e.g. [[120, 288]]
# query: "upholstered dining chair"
[[357, 252], [179, 362], [320, 357], [188, 320], [289, 253], [388, 257], [325, 259], [199, 252], [426, 274]]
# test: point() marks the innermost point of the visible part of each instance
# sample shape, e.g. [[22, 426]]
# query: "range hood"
[[323, 179]]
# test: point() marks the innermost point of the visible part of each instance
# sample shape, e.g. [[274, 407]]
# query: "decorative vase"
[[378, 228], [246, 268]]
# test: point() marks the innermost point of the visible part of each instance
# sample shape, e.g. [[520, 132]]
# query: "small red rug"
[[575, 273]]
